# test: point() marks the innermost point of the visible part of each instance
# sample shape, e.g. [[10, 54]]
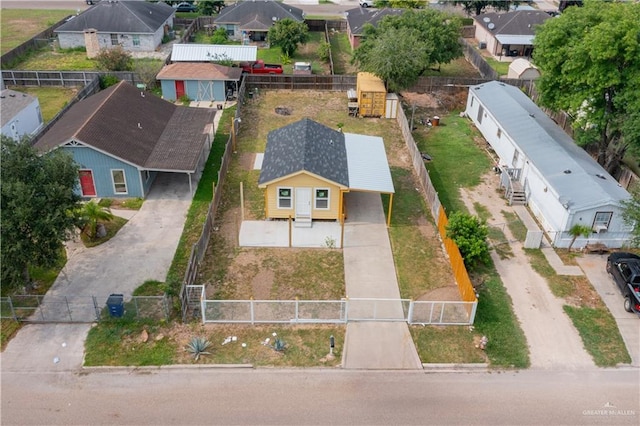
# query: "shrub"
[[114, 59], [470, 235], [324, 50], [108, 81], [198, 346]]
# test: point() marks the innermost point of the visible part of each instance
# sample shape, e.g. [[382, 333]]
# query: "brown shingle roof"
[[122, 123], [199, 71]]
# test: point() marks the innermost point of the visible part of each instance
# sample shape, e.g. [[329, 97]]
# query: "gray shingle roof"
[[147, 131], [549, 148], [305, 146], [358, 17], [258, 14], [12, 102], [120, 17], [520, 22]]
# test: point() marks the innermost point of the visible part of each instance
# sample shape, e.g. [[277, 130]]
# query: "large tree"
[[288, 34], [210, 7], [589, 58], [37, 203], [403, 47], [479, 6]]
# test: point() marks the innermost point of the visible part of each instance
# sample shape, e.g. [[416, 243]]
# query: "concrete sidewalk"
[[370, 273]]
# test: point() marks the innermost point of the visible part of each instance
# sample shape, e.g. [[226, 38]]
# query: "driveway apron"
[[370, 273], [142, 250]]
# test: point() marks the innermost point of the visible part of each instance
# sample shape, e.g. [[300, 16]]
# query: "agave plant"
[[279, 345], [198, 346]]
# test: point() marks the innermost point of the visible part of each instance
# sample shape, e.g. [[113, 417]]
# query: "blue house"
[[123, 138], [199, 81]]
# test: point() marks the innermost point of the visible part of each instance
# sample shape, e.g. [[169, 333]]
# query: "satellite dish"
[[486, 19], [491, 25]]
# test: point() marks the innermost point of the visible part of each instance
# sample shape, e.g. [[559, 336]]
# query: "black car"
[[185, 7], [625, 270]]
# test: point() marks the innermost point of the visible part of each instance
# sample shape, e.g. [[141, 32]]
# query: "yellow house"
[[308, 167]]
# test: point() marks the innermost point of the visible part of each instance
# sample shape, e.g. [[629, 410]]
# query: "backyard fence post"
[[472, 317], [410, 313], [135, 302], [297, 309], [252, 311]]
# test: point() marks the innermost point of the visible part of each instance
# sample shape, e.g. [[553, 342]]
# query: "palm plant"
[[578, 230], [92, 213]]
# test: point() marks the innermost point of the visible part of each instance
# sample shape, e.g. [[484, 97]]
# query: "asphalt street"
[[320, 396]]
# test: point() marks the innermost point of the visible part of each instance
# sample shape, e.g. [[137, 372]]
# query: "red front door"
[[87, 186], [179, 89]]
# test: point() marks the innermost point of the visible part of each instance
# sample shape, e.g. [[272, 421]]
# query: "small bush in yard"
[[114, 59], [470, 235]]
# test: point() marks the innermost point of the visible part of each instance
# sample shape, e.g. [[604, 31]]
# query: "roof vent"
[[491, 25], [601, 176], [139, 126], [486, 19], [567, 172]]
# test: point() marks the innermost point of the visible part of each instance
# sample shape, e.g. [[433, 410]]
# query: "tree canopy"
[[589, 59], [288, 34], [38, 203], [470, 235], [631, 213], [210, 7], [479, 6], [403, 47]]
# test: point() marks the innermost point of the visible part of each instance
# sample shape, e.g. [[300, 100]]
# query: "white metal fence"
[[337, 311]]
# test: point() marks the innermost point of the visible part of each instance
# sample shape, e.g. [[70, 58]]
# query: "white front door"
[[303, 202]]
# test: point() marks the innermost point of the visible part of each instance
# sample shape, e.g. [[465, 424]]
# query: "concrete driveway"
[[594, 266], [142, 250]]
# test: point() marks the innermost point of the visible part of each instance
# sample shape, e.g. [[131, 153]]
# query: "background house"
[[508, 34], [307, 168], [563, 186], [134, 25], [251, 20], [122, 138], [21, 114], [358, 17], [199, 81]]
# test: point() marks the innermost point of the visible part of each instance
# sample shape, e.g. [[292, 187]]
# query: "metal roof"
[[549, 148], [12, 103], [367, 163], [211, 52], [515, 39]]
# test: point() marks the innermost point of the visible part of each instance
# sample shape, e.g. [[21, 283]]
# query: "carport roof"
[[149, 133], [210, 52]]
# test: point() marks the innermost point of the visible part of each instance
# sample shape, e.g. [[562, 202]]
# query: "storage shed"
[[523, 69], [372, 95]]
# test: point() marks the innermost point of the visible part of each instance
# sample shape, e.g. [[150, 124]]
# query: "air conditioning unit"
[[600, 228]]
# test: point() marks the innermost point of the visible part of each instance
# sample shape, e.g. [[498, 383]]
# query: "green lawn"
[[501, 68], [457, 161], [52, 99], [19, 25]]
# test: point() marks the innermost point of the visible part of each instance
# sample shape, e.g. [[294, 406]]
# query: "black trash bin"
[[115, 303]]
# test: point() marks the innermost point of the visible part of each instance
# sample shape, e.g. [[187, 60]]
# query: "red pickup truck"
[[259, 67]]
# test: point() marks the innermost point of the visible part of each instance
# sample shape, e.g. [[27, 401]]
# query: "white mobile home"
[[562, 185]]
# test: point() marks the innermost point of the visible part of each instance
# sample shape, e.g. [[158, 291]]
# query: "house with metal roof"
[[251, 20], [357, 18], [510, 34], [123, 138], [213, 52], [542, 167], [308, 167], [199, 81], [137, 26], [21, 115]]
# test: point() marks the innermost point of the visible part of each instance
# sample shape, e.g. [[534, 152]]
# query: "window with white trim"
[[119, 181], [322, 199], [601, 221], [114, 39], [135, 38], [285, 198]]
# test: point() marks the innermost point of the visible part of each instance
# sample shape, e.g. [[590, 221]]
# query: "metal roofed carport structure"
[[213, 52]]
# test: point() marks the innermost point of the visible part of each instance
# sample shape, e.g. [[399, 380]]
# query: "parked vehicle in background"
[[366, 3], [625, 270], [302, 68], [259, 67], [185, 7]]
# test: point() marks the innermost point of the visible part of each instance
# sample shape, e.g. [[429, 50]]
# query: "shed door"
[[87, 186], [179, 89], [303, 202]]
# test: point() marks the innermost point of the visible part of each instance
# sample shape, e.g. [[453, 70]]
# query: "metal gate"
[[361, 309], [36, 308]]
